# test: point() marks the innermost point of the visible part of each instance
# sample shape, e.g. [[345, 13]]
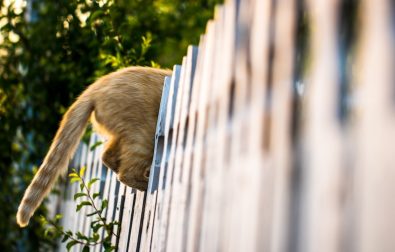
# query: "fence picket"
[[321, 216], [67, 208], [76, 225], [196, 199], [126, 220], [172, 195], [85, 222], [375, 129], [281, 123], [150, 208], [160, 214], [210, 217]]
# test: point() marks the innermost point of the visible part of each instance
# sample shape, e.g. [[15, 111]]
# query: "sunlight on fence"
[[267, 139]]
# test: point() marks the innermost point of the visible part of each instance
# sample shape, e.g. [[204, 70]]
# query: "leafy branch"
[[55, 230]]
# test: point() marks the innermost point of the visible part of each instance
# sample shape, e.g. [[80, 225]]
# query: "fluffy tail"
[[56, 161]]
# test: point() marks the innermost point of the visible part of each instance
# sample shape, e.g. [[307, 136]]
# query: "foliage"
[[86, 199], [49, 51]]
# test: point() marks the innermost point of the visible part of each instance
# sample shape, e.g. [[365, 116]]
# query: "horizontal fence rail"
[[267, 139]]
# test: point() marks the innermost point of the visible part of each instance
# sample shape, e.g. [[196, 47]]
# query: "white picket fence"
[[247, 158]]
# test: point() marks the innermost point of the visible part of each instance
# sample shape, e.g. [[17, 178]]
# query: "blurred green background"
[[49, 51]]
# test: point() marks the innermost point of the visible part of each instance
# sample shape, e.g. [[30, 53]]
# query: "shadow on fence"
[[267, 139]]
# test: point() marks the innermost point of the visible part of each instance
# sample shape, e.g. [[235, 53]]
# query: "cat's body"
[[123, 106]]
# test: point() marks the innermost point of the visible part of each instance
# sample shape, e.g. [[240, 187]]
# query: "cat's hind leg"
[[135, 163], [111, 154]]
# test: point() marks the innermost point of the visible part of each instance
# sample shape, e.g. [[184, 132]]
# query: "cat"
[[123, 106]]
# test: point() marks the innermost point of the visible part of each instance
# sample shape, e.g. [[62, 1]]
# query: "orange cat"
[[123, 106]]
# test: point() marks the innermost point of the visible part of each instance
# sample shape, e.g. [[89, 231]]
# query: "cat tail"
[[56, 161]]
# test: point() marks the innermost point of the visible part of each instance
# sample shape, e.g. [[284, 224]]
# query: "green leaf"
[[43, 220], [83, 203], [75, 179], [107, 246], [104, 204], [95, 145], [87, 135], [58, 217], [35, 169], [70, 244], [80, 194], [96, 227], [60, 230], [47, 232], [96, 14], [95, 195], [85, 249], [146, 44], [73, 175], [93, 213], [82, 187], [81, 236], [94, 222], [65, 238], [96, 237], [92, 182], [154, 64], [110, 227], [82, 171]]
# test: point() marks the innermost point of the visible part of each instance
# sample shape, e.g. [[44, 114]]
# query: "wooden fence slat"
[[177, 191], [244, 169], [91, 171], [171, 197], [259, 118], [102, 173], [109, 180], [375, 129], [182, 179], [150, 207], [84, 222], [224, 113], [126, 220], [161, 208], [190, 138], [321, 214], [97, 173], [76, 225], [119, 208], [137, 221], [159, 192], [281, 123], [211, 208], [169, 159], [197, 170], [68, 205]]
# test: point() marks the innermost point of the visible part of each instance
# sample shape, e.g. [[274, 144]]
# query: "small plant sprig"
[[55, 230]]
